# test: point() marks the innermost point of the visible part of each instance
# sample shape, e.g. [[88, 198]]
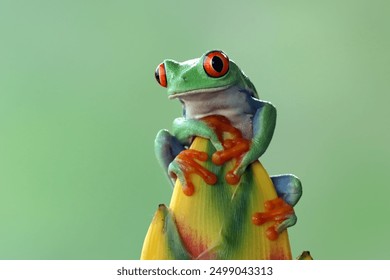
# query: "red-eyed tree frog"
[[214, 85]]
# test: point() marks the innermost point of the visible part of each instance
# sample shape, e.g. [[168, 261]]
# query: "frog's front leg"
[[178, 161], [263, 124], [185, 129], [166, 148]]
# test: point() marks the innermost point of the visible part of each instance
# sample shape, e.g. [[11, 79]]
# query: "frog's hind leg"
[[166, 148], [288, 187]]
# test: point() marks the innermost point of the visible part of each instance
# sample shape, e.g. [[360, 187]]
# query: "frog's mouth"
[[197, 91]]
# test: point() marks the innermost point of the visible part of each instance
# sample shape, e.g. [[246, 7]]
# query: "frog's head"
[[212, 72]]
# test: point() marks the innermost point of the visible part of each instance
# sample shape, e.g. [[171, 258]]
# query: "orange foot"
[[277, 210], [234, 149], [184, 165]]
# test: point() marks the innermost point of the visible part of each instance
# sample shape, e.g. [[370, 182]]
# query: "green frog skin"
[[214, 85]]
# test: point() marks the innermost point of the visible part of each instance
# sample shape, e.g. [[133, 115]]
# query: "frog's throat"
[[197, 91]]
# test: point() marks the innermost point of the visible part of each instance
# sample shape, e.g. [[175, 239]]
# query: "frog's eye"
[[216, 64], [160, 75]]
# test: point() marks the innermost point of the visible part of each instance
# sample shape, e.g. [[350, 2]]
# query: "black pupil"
[[157, 75], [217, 63]]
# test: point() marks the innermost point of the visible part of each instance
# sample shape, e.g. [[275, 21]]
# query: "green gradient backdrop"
[[79, 110]]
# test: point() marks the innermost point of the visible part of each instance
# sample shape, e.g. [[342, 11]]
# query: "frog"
[[210, 85]]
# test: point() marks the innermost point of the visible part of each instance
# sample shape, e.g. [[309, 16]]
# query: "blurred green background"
[[79, 110]]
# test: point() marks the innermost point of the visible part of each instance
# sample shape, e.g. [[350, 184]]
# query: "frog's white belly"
[[230, 103]]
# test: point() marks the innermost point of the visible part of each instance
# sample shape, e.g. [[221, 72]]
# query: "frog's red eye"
[[216, 64], [160, 75]]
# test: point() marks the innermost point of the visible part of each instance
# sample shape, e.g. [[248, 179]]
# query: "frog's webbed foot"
[[234, 149], [280, 210], [185, 164], [280, 213], [185, 129], [281, 223]]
